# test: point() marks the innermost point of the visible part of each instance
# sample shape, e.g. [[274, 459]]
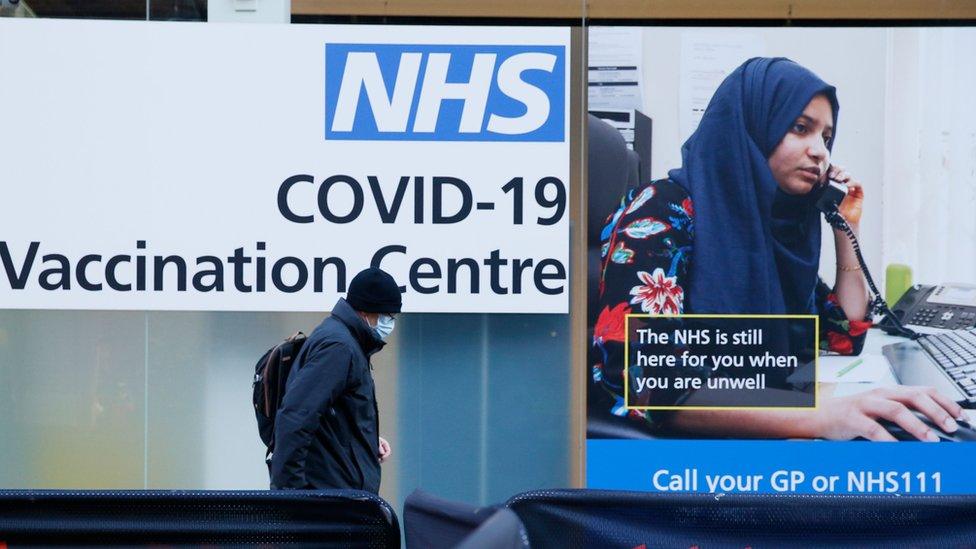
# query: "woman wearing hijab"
[[735, 231]]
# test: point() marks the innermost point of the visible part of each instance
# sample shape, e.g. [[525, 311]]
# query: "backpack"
[[270, 376]]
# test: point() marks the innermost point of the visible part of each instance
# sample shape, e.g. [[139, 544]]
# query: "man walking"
[[327, 428]]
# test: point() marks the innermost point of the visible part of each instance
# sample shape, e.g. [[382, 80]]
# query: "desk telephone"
[[947, 306]]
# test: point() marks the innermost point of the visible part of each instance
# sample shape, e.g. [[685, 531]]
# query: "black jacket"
[[327, 428]]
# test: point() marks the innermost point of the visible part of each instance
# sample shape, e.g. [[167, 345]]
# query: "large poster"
[[733, 347], [151, 166]]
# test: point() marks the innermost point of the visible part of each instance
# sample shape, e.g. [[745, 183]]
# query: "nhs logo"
[[409, 92]]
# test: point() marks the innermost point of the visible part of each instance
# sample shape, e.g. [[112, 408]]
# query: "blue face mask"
[[384, 326]]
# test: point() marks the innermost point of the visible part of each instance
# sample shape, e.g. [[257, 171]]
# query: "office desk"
[[874, 370]]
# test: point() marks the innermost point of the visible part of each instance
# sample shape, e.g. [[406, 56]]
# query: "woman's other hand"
[[852, 204], [854, 416]]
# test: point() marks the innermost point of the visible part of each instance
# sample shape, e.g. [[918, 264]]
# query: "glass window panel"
[[89, 9], [201, 426], [178, 10], [73, 387], [483, 404]]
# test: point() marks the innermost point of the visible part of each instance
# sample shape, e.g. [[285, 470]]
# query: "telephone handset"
[[946, 306], [829, 194]]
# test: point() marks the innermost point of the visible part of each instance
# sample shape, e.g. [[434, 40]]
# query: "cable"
[[878, 304]]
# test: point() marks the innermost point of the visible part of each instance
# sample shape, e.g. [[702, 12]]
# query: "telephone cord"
[[878, 304]]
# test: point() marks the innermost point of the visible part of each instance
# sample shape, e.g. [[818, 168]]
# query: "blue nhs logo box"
[[409, 92]]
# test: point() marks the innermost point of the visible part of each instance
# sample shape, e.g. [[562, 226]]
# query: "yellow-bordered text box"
[[762, 364]]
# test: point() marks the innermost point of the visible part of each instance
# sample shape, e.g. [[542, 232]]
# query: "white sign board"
[[159, 166]]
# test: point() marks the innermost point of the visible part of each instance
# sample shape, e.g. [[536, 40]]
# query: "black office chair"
[[314, 518], [612, 169]]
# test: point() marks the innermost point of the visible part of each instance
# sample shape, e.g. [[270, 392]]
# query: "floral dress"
[[646, 251]]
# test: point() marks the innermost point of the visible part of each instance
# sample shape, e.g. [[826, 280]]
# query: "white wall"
[[930, 153]]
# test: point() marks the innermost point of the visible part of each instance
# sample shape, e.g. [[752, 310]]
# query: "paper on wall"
[[614, 68], [706, 59]]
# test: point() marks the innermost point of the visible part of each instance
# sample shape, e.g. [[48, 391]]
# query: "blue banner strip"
[[781, 467]]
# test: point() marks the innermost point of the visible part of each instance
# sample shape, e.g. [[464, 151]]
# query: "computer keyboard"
[[955, 353]]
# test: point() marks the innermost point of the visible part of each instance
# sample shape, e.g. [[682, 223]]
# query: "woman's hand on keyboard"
[[845, 418]]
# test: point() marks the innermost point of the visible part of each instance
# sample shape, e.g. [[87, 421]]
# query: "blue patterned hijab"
[[756, 248]]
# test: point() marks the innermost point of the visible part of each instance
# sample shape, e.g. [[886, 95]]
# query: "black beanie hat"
[[374, 291]]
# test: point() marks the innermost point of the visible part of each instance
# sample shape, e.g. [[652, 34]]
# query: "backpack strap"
[[287, 351]]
